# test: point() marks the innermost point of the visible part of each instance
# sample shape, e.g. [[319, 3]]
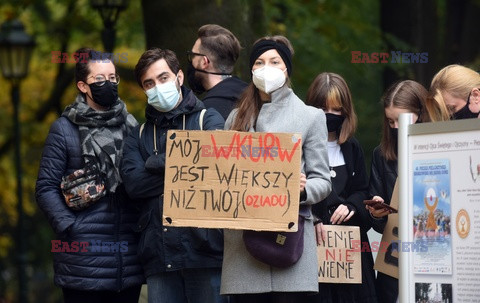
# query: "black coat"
[[355, 191], [383, 175], [166, 249], [109, 221], [224, 95]]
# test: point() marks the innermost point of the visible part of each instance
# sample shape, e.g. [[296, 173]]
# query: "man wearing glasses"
[[211, 63], [181, 264]]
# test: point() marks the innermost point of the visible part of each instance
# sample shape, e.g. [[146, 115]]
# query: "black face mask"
[[105, 95], [394, 132], [464, 112], [194, 82], [334, 122]]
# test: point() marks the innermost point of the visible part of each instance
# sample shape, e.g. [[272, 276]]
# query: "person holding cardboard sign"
[[344, 205], [180, 264], [402, 97], [269, 105]]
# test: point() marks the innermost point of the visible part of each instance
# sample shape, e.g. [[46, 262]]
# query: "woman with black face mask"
[[456, 89], [401, 97], [344, 205], [80, 190]]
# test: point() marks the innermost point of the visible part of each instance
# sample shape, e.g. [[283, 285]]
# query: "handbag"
[[83, 187], [278, 249]]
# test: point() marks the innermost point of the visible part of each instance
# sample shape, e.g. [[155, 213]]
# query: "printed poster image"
[[433, 292], [475, 167], [432, 251]]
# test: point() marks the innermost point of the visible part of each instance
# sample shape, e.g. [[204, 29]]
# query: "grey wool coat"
[[241, 273]]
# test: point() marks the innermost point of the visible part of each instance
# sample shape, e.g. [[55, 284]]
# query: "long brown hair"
[[409, 95], [330, 91], [249, 104]]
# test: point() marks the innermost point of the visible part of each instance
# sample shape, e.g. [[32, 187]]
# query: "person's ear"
[[475, 95], [82, 86], [204, 62], [180, 77]]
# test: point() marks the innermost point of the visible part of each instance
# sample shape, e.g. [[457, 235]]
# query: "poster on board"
[[442, 213], [431, 217]]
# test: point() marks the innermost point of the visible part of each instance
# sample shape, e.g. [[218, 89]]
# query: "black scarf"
[[102, 134]]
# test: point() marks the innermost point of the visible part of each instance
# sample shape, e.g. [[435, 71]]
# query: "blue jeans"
[[198, 285]]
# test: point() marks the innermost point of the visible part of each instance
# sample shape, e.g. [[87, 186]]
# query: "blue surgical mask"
[[163, 97]]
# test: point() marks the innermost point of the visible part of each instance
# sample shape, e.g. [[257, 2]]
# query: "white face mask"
[[268, 79], [163, 97]]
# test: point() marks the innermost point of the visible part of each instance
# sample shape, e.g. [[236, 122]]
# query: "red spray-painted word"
[[267, 142], [257, 201]]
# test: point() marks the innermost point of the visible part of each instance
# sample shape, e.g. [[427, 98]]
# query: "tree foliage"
[[62, 25], [323, 32]]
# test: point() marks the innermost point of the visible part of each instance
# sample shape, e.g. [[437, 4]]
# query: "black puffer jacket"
[[383, 176], [166, 249], [109, 261]]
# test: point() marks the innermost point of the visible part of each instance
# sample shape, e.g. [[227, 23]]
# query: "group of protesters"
[[186, 264]]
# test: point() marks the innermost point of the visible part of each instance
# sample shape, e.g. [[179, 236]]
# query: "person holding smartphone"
[[402, 97]]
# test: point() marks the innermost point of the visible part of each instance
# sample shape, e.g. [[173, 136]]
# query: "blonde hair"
[[458, 81]]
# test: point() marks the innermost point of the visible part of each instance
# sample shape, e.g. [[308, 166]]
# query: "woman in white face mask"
[[269, 105]]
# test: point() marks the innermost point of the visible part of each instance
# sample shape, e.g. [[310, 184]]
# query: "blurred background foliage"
[[323, 33]]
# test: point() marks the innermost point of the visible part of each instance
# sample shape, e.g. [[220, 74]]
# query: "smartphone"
[[380, 205]]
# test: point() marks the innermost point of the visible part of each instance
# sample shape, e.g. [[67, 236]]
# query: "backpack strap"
[[200, 122], [140, 132], [200, 119]]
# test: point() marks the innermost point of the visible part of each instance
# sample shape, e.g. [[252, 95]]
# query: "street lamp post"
[[16, 48], [109, 11]]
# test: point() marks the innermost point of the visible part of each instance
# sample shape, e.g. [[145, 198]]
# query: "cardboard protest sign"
[[387, 259], [338, 260], [228, 179]]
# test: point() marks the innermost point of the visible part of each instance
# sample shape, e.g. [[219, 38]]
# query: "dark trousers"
[[270, 297], [129, 295], [386, 288]]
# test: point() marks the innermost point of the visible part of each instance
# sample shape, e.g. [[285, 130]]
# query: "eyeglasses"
[[100, 79], [191, 55]]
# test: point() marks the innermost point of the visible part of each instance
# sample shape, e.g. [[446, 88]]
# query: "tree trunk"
[[416, 24], [462, 31], [174, 24]]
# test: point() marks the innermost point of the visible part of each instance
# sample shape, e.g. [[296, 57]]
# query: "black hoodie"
[[224, 95]]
